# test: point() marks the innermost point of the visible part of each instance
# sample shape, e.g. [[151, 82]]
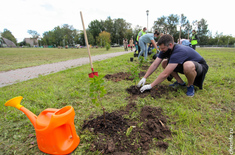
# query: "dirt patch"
[[147, 123], [121, 76], [155, 92]]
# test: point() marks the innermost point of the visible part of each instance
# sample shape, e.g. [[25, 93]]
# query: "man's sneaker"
[[190, 91], [176, 84], [170, 77]]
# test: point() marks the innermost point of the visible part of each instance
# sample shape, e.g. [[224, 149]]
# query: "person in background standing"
[[194, 39], [141, 33], [136, 46], [125, 44], [131, 43]]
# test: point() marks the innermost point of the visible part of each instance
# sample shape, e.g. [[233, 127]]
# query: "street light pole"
[[147, 18]]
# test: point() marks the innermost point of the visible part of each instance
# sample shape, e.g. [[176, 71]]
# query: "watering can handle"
[[73, 130], [63, 111]]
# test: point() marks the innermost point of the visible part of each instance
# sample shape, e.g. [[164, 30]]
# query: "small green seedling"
[[141, 60], [128, 131], [134, 70], [154, 51], [97, 91]]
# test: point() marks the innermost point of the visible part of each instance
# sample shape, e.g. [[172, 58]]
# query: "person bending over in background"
[[144, 40]]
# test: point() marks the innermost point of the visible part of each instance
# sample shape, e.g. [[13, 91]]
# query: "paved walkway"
[[19, 75]]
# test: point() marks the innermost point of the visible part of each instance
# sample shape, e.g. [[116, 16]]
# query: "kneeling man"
[[176, 59]]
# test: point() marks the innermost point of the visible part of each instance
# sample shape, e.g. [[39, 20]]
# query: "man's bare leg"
[[190, 72], [174, 74]]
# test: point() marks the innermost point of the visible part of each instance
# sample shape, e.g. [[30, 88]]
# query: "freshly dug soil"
[[155, 92], [148, 123], [121, 76]]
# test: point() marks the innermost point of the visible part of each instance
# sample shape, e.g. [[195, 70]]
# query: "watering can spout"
[[15, 102]]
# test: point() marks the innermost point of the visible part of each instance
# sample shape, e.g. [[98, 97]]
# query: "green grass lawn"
[[203, 122], [14, 58]]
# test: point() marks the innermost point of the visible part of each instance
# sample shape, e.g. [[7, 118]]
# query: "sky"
[[19, 16]]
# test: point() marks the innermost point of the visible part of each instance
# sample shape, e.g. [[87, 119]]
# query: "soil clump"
[[121, 76], [146, 123]]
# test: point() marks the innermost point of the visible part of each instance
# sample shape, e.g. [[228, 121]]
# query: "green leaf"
[[94, 100], [97, 104]]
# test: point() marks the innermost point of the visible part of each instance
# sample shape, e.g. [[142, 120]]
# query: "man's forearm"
[[154, 44], [152, 68], [159, 79], [167, 71], [149, 71]]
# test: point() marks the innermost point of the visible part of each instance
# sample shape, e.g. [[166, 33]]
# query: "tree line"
[[118, 29]]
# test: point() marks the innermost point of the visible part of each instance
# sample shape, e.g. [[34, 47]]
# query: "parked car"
[[115, 45]]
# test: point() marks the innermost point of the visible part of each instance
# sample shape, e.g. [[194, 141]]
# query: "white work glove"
[[142, 82], [145, 87]]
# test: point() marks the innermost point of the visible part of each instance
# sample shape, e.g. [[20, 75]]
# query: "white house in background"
[[31, 41]]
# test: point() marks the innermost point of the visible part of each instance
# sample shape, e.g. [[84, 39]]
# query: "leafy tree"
[[68, 34], [107, 46], [202, 31], [129, 34], [120, 28], [167, 24], [172, 22], [109, 27], [23, 43], [161, 24], [8, 35], [103, 38], [90, 38], [136, 30], [35, 34], [185, 26], [221, 39], [95, 27], [58, 36], [134, 70], [97, 91]]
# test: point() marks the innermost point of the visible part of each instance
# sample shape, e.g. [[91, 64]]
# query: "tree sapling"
[[134, 70], [97, 91]]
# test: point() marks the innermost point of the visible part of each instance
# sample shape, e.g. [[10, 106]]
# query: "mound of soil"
[[155, 92], [112, 138], [121, 76]]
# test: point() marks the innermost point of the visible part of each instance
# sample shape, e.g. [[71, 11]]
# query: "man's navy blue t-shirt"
[[180, 54]]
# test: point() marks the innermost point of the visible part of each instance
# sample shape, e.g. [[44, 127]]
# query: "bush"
[[107, 46]]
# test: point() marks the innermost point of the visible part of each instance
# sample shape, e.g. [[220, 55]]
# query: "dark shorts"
[[198, 66], [201, 69]]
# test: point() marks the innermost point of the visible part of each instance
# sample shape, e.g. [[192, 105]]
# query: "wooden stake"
[[162, 123]]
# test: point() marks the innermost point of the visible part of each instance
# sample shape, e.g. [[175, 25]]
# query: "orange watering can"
[[55, 130]]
